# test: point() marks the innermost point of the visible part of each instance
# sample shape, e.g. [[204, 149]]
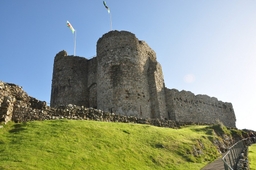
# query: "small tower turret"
[[68, 82]]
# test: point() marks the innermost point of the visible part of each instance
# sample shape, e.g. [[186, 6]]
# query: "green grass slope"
[[67, 144], [252, 157]]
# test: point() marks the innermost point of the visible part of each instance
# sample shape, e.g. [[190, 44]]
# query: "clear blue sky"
[[206, 47]]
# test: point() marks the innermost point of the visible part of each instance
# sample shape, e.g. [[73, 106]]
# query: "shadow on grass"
[[186, 156], [18, 128]]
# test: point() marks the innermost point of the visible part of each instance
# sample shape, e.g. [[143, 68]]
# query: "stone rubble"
[[243, 162]]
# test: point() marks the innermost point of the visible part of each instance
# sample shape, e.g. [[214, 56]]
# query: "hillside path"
[[215, 165]]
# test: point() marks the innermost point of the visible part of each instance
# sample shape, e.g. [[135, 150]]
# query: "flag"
[[105, 4], [70, 26]]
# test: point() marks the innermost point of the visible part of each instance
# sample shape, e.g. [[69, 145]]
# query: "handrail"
[[231, 158]]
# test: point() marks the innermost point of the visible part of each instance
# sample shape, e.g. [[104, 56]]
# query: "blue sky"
[[206, 47]]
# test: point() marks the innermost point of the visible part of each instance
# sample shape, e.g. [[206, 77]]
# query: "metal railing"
[[231, 158]]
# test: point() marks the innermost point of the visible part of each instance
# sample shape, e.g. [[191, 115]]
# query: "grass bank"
[[252, 157], [68, 144]]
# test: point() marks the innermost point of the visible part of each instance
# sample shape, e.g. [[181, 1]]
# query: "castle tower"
[[69, 80], [129, 79], [125, 78]]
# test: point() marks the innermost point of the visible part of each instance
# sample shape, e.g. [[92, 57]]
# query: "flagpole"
[[110, 21], [75, 43], [105, 4]]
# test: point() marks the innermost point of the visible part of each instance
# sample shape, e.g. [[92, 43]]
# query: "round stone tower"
[[123, 75], [69, 81]]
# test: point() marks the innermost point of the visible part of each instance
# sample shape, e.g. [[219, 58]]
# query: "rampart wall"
[[14, 102], [17, 106], [184, 106]]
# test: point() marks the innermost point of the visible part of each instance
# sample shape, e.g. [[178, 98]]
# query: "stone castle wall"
[[67, 80], [184, 106], [16, 105], [92, 83], [124, 65], [121, 68], [125, 78]]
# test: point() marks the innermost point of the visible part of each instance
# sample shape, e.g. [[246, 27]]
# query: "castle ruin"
[[126, 79]]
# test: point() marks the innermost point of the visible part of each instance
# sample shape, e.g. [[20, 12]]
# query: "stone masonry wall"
[[68, 82], [14, 102], [184, 106], [155, 81], [122, 82], [130, 81], [92, 83], [156, 85], [125, 78], [16, 105]]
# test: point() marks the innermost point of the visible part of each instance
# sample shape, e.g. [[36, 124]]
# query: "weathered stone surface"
[[67, 82], [243, 162], [37, 104], [17, 106], [10, 95], [125, 78], [184, 106]]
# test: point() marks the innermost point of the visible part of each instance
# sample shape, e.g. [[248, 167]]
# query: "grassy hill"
[[67, 144], [252, 157]]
